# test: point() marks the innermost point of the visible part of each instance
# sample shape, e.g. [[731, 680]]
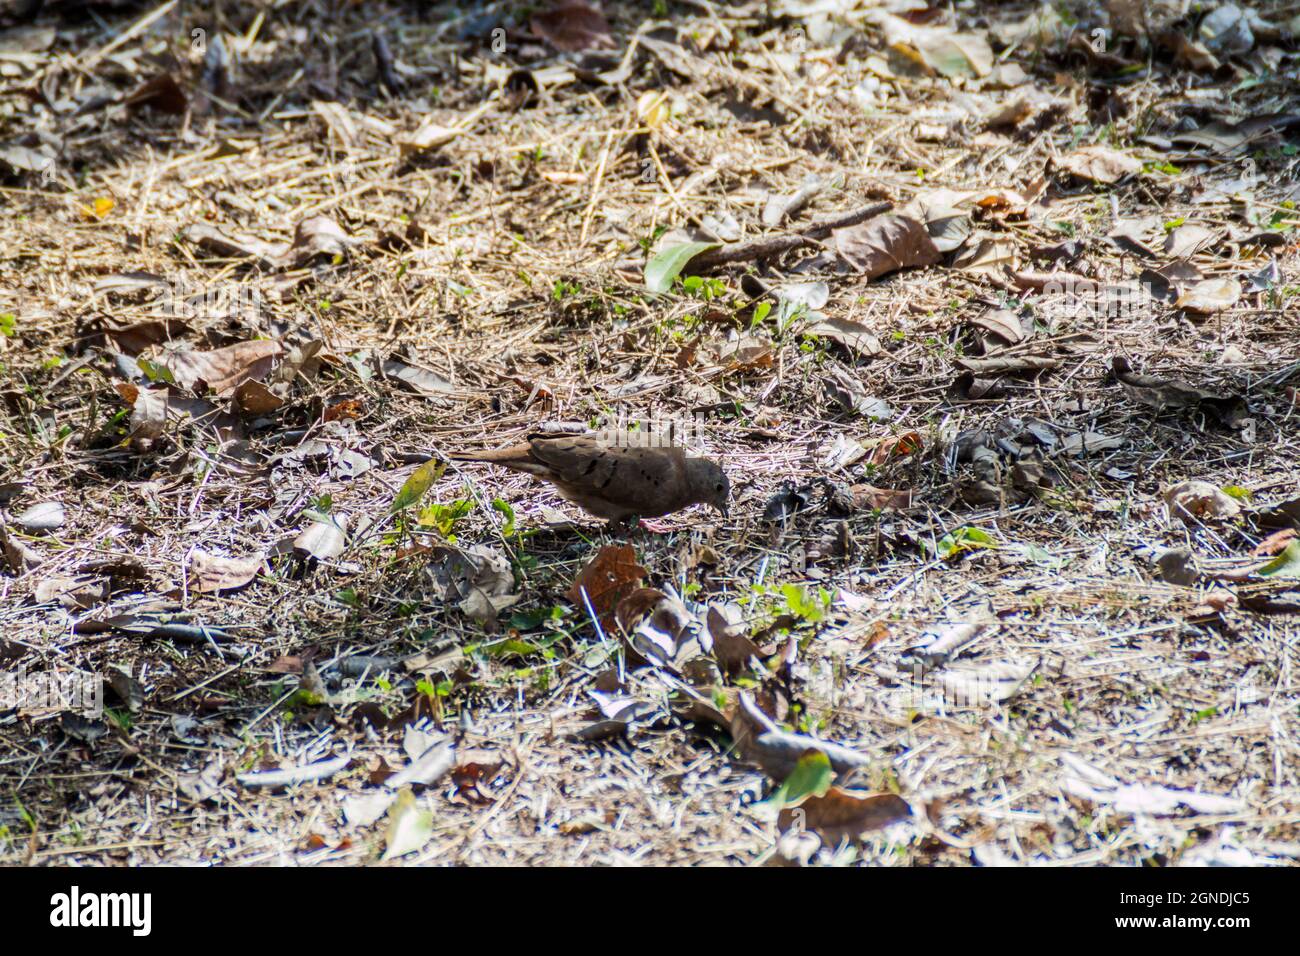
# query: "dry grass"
[[510, 261]]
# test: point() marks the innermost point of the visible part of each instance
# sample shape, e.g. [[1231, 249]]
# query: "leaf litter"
[[883, 273]]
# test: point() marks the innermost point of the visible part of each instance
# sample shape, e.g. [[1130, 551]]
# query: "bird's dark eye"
[[718, 488]]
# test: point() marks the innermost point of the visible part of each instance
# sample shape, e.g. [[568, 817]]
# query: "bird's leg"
[[654, 527], [619, 527]]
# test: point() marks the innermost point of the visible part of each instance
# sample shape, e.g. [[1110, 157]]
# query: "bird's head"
[[709, 484]]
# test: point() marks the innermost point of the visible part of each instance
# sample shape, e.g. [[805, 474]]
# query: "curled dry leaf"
[[153, 408], [572, 26], [210, 573], [607, 579], [853, 336], [222, 370], [732, 647], [1194, 501], [882, 499], [323, 539], [1209, 296], [479, 576], [254, 398], [840, 814], [896, 446], [1099, 164], [45, 516], [886, 244]]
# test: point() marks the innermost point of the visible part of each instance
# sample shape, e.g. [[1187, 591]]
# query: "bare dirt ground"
[[1010, 552]]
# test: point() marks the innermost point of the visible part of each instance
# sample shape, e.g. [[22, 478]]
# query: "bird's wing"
[[644, 481]]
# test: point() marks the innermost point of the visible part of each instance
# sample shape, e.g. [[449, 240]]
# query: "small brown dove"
[[615, 481]]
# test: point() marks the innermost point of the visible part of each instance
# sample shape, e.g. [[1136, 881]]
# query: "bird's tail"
[[500, 456]]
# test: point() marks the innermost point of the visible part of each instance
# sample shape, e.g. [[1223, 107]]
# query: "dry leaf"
[[1100, 164], [209, 572], [854, 336], [840, 814], [46, 516], [1209, 296], [896, 446], [323, 540], [1192, 501], [610, 576], [571, 27], [1185, 241], [222, 370], [254, 398], [885, 244]]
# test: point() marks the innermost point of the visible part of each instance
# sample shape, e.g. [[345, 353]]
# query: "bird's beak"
[[725, 511]]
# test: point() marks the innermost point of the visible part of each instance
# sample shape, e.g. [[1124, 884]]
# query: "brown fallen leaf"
[[162, 93], [1192, 501], [1209, 296], [1275, 543], [896, 446], [607, 578], [254, 398], [869, 496], [222, 370], [841, 814], [210, 573], [1164, 393], [571, 26], [853, 336], [153, 408], [1099, 164], [886, 244], [1005, 365], [1187, 240]]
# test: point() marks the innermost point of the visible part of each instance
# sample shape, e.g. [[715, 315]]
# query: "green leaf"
[[811, 777], [414, 487], [1285, 565], [8, 324], [667, 263], [443, 518], [964, 539], [503, 506]]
